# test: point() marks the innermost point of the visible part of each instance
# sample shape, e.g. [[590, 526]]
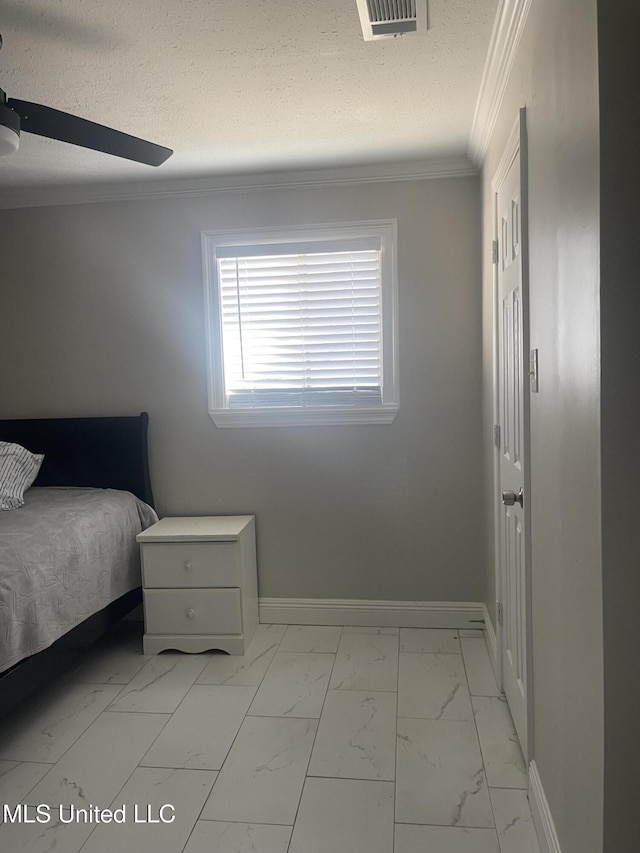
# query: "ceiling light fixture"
[[9, 127]]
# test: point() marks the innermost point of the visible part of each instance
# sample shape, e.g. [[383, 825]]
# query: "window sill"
[[279, 417]]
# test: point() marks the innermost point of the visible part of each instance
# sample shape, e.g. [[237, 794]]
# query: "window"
[[302, 325]]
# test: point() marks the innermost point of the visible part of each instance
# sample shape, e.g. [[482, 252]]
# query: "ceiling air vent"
[[386, 19]]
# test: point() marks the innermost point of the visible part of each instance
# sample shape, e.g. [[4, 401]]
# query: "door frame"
[[517, 144]]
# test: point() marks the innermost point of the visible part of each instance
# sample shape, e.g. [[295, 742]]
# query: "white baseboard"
[[384, 614], [492, 643], [541, 813]]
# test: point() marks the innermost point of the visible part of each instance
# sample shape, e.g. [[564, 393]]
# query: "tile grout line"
[[133, 770], [231, 745], [295, 716], [503, 788], [306, 773], [41, 692], [142, 758], [445, 825], [448, 654], [84, 731], [157, 713], [171, 717], [352, 779], [155, 657], [475, 725], [494, 820], [243, 822]]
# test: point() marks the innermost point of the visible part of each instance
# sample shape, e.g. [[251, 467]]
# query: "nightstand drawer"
[[193, 611], [191, 564]]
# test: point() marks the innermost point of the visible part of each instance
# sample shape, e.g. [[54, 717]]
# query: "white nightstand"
[[200, 584]]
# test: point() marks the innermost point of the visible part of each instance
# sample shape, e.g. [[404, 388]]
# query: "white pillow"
[[18, 469]]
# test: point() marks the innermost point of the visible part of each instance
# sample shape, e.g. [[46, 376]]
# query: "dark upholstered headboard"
[[105, 453]]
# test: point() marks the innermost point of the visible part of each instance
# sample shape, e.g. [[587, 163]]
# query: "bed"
[[69, 562]]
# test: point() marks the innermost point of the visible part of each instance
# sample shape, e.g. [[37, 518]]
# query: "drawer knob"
[[190, 613], [188, 566]]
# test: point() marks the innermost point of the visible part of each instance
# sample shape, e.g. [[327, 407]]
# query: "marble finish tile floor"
[[318, 739]]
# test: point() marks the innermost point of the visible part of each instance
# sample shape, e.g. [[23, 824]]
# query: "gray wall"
[[618, 34], [556, 77], [102, 314]]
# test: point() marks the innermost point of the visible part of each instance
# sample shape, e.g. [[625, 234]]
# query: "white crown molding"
[[46, 196], [509, 25], [379, 614], [541, 813]]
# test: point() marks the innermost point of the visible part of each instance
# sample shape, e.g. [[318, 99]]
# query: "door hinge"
[[494, 251], [499, 615], [496, 435]]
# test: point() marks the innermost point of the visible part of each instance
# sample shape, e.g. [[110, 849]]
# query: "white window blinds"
[[302, 323]]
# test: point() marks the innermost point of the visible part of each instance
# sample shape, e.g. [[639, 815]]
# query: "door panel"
[[513, 474]]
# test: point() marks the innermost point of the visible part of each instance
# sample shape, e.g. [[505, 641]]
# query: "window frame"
[[384, 413]]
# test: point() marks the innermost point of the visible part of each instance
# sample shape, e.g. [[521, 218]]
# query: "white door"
[[513, 414]]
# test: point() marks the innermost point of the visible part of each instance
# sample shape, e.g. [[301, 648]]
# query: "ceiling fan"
[[16, 116]]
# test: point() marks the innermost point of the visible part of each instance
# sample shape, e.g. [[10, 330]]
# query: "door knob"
[[510, 498]]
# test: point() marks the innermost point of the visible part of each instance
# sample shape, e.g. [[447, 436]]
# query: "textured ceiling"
[[240, 87]]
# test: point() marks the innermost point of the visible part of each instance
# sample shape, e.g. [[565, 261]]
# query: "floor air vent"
[[386, 19]]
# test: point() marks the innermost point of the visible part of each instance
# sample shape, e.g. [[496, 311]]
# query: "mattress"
[[64, 555]]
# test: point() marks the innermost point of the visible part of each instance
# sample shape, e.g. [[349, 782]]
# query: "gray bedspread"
[[64, 555]]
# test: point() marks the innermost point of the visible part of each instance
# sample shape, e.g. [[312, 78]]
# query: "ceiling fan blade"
[[45, 121]]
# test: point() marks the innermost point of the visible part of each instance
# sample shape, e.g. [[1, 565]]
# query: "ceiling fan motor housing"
[[9, 127]]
